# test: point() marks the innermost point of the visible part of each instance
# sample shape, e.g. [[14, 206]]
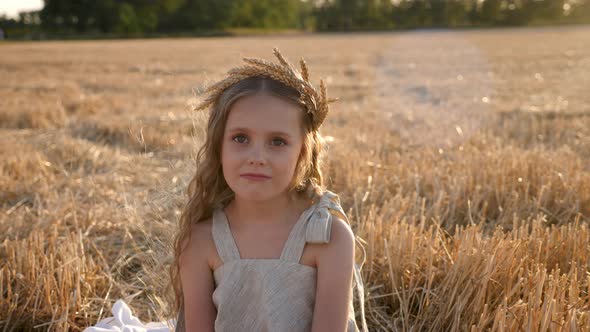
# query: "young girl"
[[262, 246]]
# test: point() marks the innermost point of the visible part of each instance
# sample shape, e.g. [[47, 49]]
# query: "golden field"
[[462, 159]]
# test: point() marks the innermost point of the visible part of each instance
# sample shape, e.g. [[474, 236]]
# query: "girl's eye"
[[238, 138], [280, 141], [274, 141]]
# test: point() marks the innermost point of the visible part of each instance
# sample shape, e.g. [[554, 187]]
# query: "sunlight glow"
[[11, 8]]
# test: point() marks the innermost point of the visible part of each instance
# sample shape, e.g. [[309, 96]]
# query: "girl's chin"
[[256, 194], [254, 197]]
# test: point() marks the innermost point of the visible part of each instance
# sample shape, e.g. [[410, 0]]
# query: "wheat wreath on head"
[[316, 103]]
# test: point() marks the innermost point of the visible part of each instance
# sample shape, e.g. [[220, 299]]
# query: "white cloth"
[[124, 321]]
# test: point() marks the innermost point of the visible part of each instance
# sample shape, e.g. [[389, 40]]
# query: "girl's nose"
[[256, 156]]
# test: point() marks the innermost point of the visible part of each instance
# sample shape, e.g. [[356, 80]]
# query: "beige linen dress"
[[273, 295]]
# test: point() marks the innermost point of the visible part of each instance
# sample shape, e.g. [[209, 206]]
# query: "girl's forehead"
[[264, 113]]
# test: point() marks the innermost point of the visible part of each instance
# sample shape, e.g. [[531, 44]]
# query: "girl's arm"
[[335, 265], [197, 280]]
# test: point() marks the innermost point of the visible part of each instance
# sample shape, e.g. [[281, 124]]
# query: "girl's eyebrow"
[[279, 133]]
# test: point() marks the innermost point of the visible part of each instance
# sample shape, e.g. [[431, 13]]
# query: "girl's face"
[[263, 135]]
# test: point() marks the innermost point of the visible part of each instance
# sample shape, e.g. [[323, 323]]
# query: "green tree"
[[128, 21], [279, 14], [193, 15], [146, 16], [491, 11]]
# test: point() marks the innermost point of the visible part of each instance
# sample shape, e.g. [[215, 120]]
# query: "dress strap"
[[320, 225], [224, 241], [293, 248], [315, 229]]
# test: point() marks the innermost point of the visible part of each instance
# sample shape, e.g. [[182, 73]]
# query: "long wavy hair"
[[208, 189]]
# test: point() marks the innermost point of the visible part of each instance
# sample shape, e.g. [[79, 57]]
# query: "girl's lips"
[[255, 177]]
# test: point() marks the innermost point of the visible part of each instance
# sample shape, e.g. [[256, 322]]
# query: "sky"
[[12, 7]]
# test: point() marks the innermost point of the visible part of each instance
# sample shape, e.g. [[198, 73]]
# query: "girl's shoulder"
[[341, 234], [329, 216], [200, 246]]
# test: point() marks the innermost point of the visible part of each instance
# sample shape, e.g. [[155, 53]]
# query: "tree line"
[[147, 17]]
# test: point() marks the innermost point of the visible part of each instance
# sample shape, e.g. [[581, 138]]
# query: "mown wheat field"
[[462, 159]]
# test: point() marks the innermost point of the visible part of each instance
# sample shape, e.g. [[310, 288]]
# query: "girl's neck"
[[267, 212]]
